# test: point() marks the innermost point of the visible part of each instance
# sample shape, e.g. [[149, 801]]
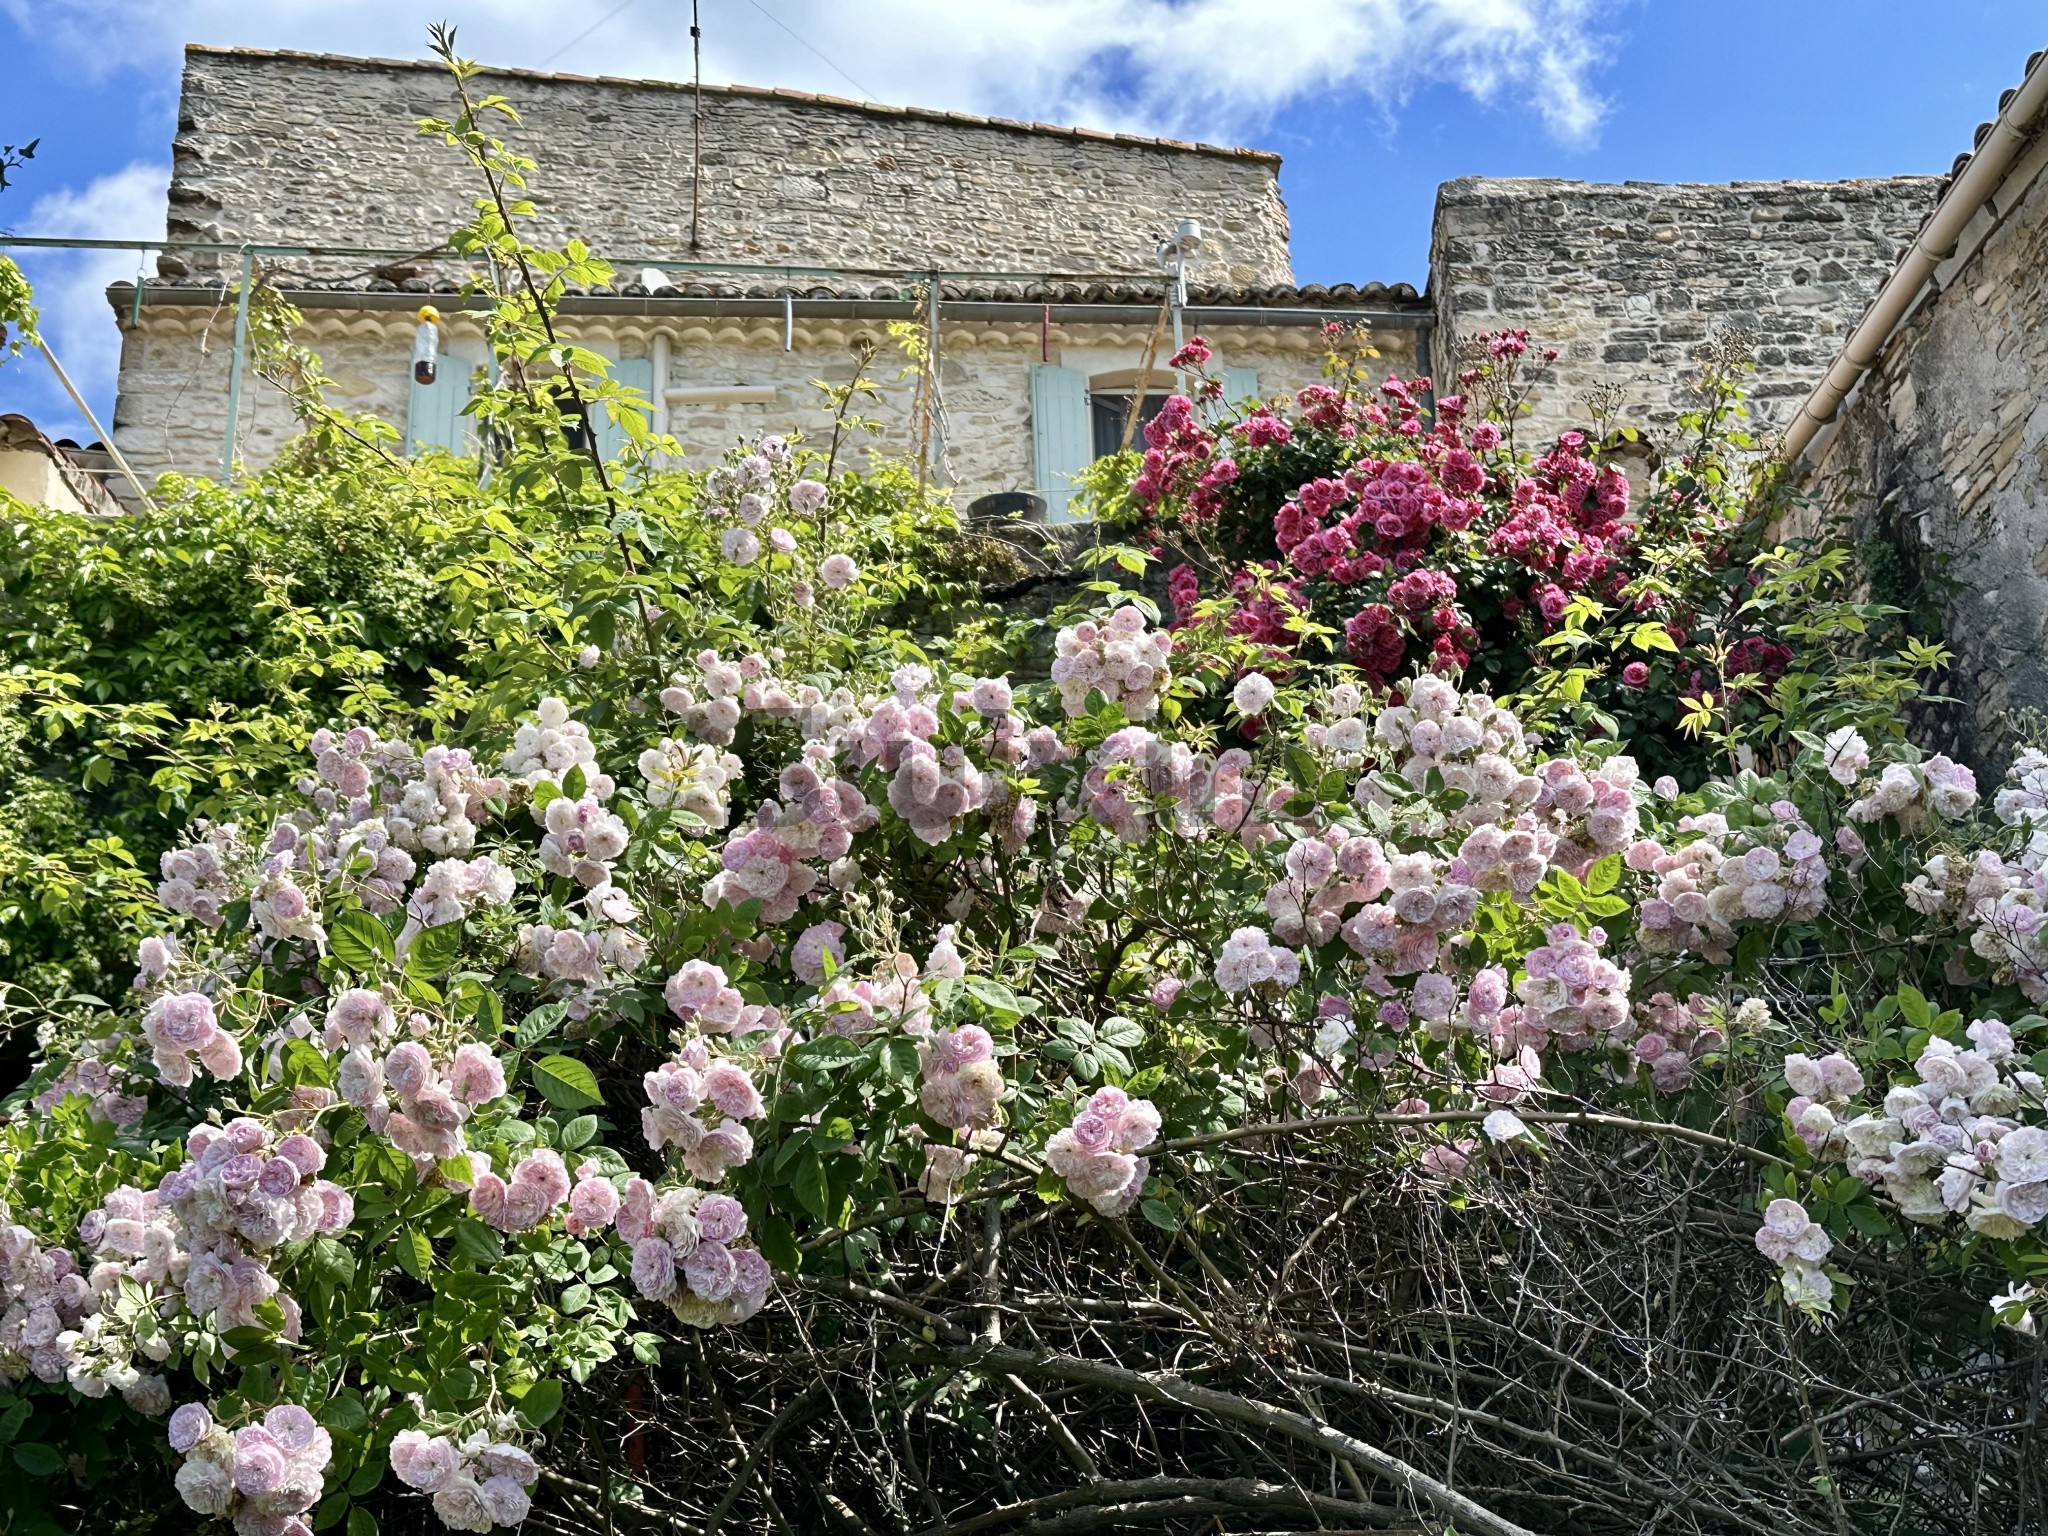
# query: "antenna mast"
[[696, 128]]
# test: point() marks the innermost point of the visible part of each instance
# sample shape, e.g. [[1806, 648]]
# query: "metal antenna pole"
[[696, 128]]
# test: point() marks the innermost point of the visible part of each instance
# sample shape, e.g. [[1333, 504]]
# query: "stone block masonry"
[[1939, 459], [288, 148], [1627, 281]]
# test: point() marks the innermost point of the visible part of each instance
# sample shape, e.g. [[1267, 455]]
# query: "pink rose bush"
[[394, 1036]]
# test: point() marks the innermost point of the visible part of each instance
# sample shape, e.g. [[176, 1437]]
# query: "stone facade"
[[1939, 458], [173, 406], [309, 149], [285, 148], [1627, 281]]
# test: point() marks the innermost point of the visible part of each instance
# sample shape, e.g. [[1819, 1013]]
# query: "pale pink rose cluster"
[[892, 997], [240, 1187], [539, 1183], [725, 686], [432, 1105], [699, 994], [579, 960], [694, 780], [697, 1104], [1327, 875], [1821, 1090], [1121, 659], [962, 1081], [935, 789], [45, 1301], [1097, 1154], [475, 1484], [583, 840], [549, 745], [1673, 1036], [266, 1477], [1963, 1141], [1340, 732], [817, 817], [1573, 995], [278, 905], [1441, 729], [197, 879], [1513, 857], [1799, 1246], [1727, 876], [1136, 781], [453, 888], [184, 1033], [1915, 795], [1249, 958], [97, 1083], [686, 1253], [1594, 813], [1402, 933]]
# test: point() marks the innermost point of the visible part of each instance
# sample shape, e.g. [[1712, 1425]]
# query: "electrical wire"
[[625, 5], [866, 94]]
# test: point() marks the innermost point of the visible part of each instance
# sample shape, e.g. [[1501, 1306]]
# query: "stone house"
[[803, 228], [815, 222], [1930, 429]]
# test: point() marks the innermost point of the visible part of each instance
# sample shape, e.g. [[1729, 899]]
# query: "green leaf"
[[361, 1522], [1160, 1214], [1606, 874], [899, 1060], [578, 1131], [778, 1245], [566, 1082], [477, 1242], [360, 942], [574, 783], [811, 1188], [433, 950], [414, 1253], [1914, 1006], [539, 1404], [38, 1459], [539, 1024]]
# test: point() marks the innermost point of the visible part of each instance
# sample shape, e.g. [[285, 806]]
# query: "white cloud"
[[1208, 68], [71, 292]]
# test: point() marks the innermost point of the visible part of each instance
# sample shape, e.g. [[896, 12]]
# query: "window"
[[1106, 416]]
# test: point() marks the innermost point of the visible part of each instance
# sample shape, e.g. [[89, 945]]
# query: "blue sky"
[[1372, 102]]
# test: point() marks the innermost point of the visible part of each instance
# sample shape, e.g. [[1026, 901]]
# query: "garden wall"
[[1940, 457], [312, 148], [1626, 281]]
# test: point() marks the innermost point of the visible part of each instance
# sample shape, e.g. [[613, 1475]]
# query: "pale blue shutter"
[[433, 412], [1240, 384], [637, 374], [1061, 444]]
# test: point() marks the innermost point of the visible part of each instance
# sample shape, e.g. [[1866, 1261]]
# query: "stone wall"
[[1939, 460], [1627, 281], [315, 149], [172, 412]]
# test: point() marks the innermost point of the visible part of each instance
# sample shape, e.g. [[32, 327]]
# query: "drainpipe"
[[657, 421], [1935, 243]]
